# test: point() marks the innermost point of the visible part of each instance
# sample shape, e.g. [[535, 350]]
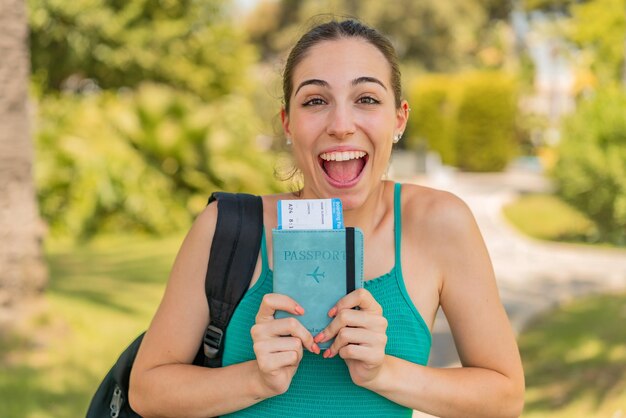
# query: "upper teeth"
[[342, 155]]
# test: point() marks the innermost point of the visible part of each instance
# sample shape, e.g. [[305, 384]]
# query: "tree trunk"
[[23, 272]]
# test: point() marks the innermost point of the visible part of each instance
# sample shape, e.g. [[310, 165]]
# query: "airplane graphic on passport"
[[315, 275]]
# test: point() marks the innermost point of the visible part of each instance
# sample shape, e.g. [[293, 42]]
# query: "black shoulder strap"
[[234, 252], [233, 256]]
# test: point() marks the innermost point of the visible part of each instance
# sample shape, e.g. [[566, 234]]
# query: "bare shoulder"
[[439, 214], [444, 225], [189, 267], [183, 300], [204, 226], [205, 222]]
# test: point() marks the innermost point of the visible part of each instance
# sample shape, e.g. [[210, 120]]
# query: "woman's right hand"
[[278, 343]]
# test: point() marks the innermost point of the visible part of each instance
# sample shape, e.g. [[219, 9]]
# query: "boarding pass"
[[310, 214]]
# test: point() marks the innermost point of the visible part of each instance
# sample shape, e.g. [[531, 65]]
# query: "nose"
[[340, 122]]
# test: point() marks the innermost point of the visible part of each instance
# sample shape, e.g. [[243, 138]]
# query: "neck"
[[371, 212]]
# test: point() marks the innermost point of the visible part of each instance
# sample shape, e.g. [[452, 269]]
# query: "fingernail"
[[332, 312], [327, 353], [319, 337], [299, 310], [315, 348]]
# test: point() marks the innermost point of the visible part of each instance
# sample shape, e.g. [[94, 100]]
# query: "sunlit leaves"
[[191, 45], [143, 161]]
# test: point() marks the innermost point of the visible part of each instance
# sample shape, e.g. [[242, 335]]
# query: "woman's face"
[[342, 120]]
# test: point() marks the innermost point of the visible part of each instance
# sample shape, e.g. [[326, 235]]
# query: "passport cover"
[[314, 267]]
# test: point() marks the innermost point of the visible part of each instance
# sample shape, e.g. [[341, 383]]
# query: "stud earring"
[[288, 141], [396, 138]]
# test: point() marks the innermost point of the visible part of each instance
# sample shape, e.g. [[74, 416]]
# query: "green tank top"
[[322, 387]]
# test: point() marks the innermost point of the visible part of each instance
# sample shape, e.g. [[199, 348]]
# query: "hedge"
[[591, 170], [143, 160], [469, 119]]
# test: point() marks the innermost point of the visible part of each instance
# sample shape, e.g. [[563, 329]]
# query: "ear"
[[284, 118], [402, 116]]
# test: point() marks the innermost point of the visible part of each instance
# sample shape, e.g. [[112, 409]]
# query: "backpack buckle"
[[212, 341]]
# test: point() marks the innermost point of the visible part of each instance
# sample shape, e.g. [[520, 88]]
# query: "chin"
[[352, 201]]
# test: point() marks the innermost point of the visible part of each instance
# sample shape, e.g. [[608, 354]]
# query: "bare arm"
[[163, 383], [491, 381]]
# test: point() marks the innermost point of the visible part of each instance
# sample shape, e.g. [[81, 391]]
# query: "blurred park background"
[[118, 118]]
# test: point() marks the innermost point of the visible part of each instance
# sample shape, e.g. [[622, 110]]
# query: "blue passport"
[[316, 268]]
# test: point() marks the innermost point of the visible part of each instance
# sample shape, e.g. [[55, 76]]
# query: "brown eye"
[[368, 100], [314, 102]]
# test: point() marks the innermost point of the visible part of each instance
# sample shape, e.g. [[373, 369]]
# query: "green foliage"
[[575, 360], [591, 170], [599, 27], [437, 34], [548, 5], [469, 119], [101, 295], [143, 161], [547, 217], [485, 127], [433, 114], [187, 44]]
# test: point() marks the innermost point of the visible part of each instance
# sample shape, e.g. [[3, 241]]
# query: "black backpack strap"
[[233, 257], [111, 398]]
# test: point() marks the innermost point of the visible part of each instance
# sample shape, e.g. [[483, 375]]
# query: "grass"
[[547, 217], [575, 360], [100, 296], [103, 294]]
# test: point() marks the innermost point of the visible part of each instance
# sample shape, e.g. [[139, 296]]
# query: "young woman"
[[342, 113]]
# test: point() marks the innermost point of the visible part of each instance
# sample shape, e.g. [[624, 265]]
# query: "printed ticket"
[[310, 214]]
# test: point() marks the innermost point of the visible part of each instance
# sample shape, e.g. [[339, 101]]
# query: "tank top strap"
[[397, 220], [265, 263]]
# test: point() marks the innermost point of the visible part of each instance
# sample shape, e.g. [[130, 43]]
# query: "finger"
[[360, 298], [269, 348], [273, 302], [276, 361], [284, 327], [277, 345], [347, 336], [360, 353], [355, 319], [356, 336], [353, 336]]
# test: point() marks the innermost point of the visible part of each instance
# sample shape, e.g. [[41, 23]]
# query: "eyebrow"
[[313, 81], [356, 81], [366, 79]]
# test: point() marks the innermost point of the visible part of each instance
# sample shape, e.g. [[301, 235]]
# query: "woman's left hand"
[[360, 335]]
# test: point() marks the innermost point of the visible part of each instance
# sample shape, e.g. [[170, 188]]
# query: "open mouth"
[[343, 168]]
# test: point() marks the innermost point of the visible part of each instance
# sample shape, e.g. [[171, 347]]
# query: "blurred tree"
[[143, 160], [22, 269], [434, 101], [485, 125], [591, 170], [554, 6], [188, 44], [469, 119], [438, 34], [597, 27]]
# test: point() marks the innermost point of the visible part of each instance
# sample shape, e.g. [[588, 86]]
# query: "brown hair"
[[334, 30]]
